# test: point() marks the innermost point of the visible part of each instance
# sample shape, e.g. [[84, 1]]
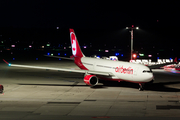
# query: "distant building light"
[[84, 46], [30, 46], [149, 55], [12, 45], [47, 44], [57, 28], [69, 46], [64, 47], [11, 52], [51, 54], [140, 54], [106, 50], [42, 46], [1, 41]]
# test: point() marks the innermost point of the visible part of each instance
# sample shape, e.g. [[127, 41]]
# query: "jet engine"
[[91, 80]]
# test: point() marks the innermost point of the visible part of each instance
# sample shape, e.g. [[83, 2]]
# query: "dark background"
[[99, 23]]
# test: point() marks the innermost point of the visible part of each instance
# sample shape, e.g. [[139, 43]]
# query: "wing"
[[59, 57], [161, 65], [62, 69]]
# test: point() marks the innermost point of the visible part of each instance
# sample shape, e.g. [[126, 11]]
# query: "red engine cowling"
[[91, 80]]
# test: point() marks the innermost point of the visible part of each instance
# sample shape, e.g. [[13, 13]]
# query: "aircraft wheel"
[[141, 87]]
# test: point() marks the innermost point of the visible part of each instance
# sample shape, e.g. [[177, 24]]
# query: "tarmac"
[[50, 95]]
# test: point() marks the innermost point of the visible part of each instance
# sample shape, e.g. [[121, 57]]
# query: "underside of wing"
[[65, 70]]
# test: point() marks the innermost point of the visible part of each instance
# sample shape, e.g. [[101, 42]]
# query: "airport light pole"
[[132, 27]]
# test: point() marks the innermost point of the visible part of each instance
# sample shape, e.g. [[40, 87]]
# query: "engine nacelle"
[[91, 80]]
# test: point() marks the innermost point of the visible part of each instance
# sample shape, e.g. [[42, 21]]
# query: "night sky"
[[101, 22]]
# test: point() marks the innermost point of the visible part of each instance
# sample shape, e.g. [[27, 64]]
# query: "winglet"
[[7, 62]]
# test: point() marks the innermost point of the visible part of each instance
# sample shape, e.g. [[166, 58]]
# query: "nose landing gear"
[[141, 87]]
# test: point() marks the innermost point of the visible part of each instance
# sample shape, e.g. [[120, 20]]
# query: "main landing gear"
[[141, 86]]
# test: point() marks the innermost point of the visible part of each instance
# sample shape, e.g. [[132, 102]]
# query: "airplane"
[[172, 68], [101, 69]]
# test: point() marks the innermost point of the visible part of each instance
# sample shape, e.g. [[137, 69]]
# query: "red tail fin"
[[76, 50]]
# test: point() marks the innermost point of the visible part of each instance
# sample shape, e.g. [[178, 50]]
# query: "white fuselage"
[[121, 70]]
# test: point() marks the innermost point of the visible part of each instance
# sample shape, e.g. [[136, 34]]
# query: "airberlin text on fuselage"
[[120, 69]]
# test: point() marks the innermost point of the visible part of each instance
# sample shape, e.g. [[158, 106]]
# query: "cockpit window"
[[147, 71]]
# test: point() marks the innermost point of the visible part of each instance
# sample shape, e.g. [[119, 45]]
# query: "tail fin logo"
[[73, 43]]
